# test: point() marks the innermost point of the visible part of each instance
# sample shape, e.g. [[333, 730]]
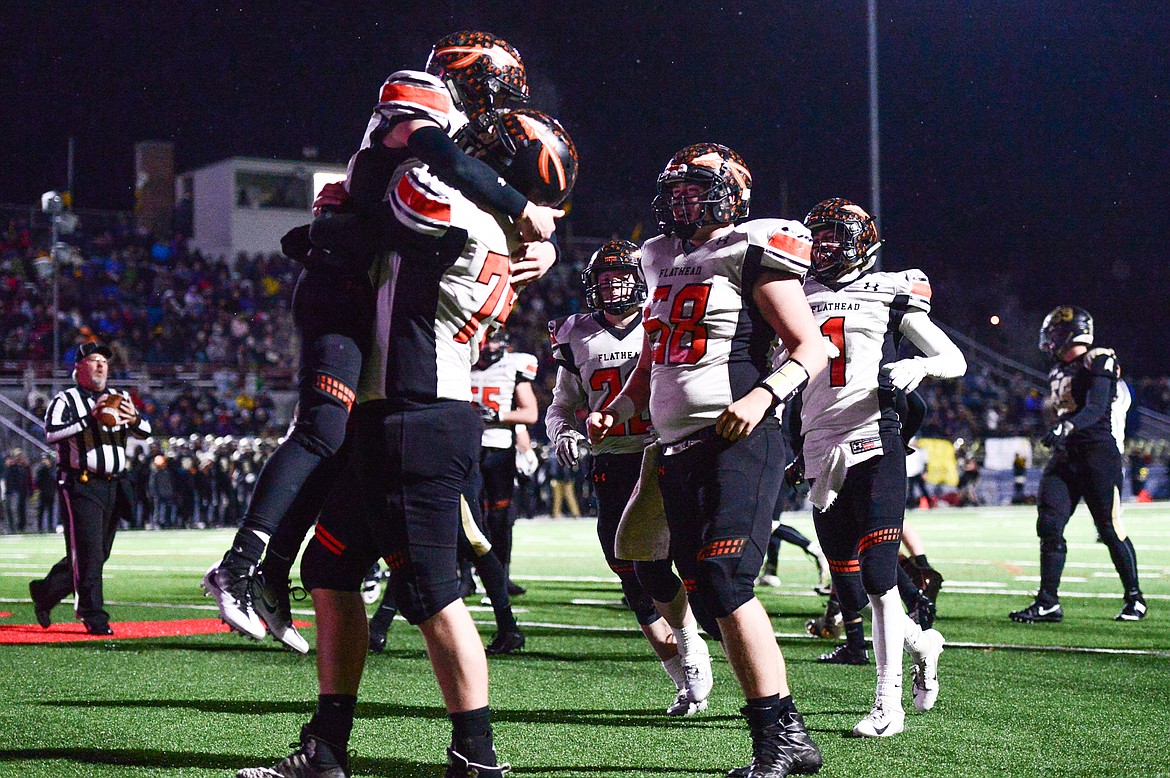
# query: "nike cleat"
[[1037, 612], [924, 672], [885, 719], [1134, 610], [233, 596], [270, 600]]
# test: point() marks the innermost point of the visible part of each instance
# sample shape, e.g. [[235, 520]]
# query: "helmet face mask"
[[1066, 326], [531, 151], [613, 278], [483, 72], [703, 185], [845, 241]]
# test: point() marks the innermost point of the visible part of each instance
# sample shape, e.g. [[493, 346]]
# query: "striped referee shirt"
[[82, 443]]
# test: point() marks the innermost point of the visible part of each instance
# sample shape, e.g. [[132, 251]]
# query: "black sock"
[[471, 735], [276, 568], [333, 720], [855, 634], [246, 550]]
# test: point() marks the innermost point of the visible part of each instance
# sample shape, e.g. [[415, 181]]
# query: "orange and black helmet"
[[850, 250], [533, 153], [483, 71], [615, 294], [727, 192]]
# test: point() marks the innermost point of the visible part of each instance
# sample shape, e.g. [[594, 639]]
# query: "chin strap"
[[786, 380]]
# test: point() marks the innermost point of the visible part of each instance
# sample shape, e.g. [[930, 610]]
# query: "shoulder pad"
[[422, 202], [787, 244], [525, 365], [1102, 362], [916, 285], [560, 335]]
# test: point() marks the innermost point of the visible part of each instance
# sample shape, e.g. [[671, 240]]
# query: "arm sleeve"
[[568, 396], [1097, 401], [943, 358], [477, 180], [140, 429], [61, 422]]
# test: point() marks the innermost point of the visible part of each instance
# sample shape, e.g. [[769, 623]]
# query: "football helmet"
[[614, 295], [853, 248], [533, 153], [727, 189], [1065, 326], [493, 348], [483, 72]]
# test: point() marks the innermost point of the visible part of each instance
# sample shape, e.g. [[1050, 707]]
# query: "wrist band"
[[786, 380]]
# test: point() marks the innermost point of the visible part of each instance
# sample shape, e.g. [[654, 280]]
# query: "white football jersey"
[[709, 341], [435, 300], [596, 358], [843, 404], [495, 387], [412, 94]]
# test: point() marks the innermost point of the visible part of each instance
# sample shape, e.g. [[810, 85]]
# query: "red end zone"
[[18, 634]]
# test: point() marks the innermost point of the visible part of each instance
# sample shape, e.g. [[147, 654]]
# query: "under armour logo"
[[870, 286]]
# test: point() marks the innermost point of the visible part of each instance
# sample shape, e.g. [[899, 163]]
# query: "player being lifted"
[[418, 440], [720, 293], [595, 354], [470, 77], [852, 450], [1090, 401]]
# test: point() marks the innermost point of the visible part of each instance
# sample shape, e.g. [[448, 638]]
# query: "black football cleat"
[[507, 642], [459, 766], [1037, 613], [1134, 609], [42, 610], [845, 655], [98, 628], [312, 757], [780, 749], [923, 611]]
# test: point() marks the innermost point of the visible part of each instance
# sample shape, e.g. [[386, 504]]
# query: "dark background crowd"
[[208, 350]]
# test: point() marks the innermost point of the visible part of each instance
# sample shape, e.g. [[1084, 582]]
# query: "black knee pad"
[[323, 568], [727, 570], [703, 609], [879, 560], [636, 598], [658, 579], [320, 421], [850, 593]]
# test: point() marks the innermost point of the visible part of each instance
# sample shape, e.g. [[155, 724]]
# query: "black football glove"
[[488, 414], [1058, 435], [794, 473]]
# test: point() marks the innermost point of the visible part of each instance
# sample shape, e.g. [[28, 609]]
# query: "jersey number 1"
[[834, 330]]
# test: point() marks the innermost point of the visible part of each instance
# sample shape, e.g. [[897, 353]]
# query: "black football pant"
[[90, 512], [498, 469], [1091, 473]]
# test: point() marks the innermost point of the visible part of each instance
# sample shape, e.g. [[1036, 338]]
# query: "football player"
[[470, 77], [720, 290], [501, 390], [852, 449], [595, 354], [416, 442], [1090, 401]]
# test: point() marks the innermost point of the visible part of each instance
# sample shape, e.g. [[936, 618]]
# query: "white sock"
[[888, 636], [674, 668], [690, 641], [912, 640]]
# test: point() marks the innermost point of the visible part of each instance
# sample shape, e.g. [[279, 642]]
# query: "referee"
[[94, 490]]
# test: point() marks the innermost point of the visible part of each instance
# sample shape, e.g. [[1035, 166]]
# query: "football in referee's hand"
[[108, 410]]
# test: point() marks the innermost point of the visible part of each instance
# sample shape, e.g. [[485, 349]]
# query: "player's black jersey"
[[1069, 384]]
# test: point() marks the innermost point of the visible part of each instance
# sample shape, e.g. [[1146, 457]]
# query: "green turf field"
[[585, 698]]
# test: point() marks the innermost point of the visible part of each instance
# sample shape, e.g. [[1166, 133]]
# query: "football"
[[107, 411]]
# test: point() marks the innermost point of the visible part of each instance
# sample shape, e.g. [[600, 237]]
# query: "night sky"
[[1025, 144]]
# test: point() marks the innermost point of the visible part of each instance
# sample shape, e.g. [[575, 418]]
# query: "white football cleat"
[[924, 673], [234, 599], [883, 720], [697, 668], [683, 705]]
